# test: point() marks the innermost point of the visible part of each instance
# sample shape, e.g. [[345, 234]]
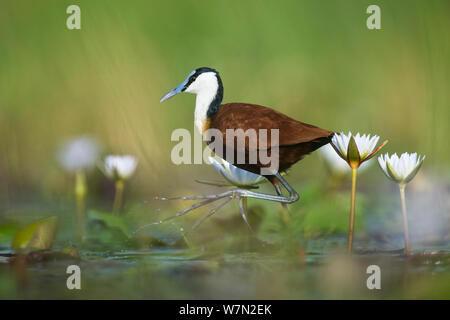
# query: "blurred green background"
[[313, 60]]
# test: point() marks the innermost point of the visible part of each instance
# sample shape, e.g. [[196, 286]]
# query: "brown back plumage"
[[296, 138]]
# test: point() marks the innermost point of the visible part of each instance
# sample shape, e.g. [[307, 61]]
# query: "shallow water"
[[162, 273]]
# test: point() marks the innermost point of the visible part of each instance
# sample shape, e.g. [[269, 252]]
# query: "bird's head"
[[200, 81]]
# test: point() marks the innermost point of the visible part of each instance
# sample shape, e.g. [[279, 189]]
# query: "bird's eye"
[[193, 78]]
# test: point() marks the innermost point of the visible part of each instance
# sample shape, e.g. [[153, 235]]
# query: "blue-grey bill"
[[177, 89], [170, 94]]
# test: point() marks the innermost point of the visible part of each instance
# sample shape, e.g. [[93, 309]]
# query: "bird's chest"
[[201, 120]]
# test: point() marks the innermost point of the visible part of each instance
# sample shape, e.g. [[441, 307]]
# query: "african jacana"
[[296, 139]]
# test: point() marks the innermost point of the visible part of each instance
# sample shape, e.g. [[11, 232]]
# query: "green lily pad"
[[38, 235]]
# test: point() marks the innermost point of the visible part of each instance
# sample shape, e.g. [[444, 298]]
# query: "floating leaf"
[[111, 221], [38, 235]]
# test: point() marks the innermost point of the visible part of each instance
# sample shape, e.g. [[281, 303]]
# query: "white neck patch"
[[205, 87]]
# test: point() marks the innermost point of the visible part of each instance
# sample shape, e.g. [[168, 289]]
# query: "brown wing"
[[251, 116]]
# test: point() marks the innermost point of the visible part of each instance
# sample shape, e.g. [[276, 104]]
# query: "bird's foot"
[[237, 193], [240, 194]]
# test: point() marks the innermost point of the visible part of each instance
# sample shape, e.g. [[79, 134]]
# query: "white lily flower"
[[401, 169], [120, 167], [80, 153], [334, 161], [235, 175], [355, 149], [76, 156]]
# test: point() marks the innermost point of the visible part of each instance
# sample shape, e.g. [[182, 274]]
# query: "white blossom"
[[79, 153], [355, 153], [401, 169], [119, 167], [336, 164]]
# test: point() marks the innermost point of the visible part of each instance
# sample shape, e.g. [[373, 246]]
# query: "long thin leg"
[[278, 190], [284, 211], [211, 196], [209, 214], [236, 193], [180, 213], [233, 193], [194, 206], [243, 210]]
